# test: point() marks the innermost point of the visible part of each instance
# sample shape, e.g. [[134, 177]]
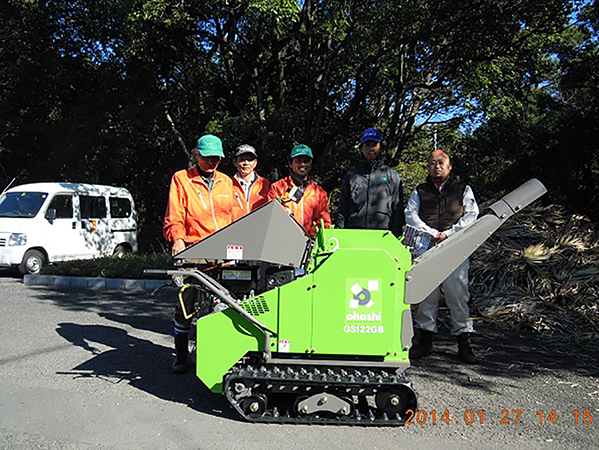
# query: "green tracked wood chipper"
[[318, 330]]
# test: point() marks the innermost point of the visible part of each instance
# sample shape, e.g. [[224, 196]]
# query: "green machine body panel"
[[225, 337], [349, 303], [357, 299], [295, 316]]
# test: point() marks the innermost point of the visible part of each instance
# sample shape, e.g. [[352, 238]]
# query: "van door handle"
[[74, 225]]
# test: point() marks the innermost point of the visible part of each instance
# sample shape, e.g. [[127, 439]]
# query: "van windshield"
[[21, 204]]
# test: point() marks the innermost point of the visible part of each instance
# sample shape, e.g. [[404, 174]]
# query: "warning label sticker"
[[283, 346], [235, 252]]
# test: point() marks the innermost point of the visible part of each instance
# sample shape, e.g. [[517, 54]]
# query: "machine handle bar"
[[218, 290], [161, 273]]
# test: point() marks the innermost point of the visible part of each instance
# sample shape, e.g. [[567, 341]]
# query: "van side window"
[[92, 207], [63, 204], [120, 208]]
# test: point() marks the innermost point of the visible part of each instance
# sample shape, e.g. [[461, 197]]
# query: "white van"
[[47, 222]]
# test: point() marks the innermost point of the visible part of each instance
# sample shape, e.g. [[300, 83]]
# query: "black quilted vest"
[[441, 210]]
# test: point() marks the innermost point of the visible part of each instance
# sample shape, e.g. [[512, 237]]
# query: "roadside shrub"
[[130, 265]]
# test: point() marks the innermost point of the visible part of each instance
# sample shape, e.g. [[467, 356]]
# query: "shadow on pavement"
[[139, 309], [506, 356], [10, 272], [142, 364]]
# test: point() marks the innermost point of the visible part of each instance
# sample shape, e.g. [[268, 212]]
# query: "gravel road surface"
[[83, 369]]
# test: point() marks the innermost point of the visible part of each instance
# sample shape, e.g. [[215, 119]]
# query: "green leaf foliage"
[[547, 129], [117, 92]]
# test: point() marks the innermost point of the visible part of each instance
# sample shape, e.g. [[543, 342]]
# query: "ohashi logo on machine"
[[363, 311]]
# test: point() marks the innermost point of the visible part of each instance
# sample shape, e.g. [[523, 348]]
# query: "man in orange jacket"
[[307, 202], [201, 198], [250, 190], [200, 203]]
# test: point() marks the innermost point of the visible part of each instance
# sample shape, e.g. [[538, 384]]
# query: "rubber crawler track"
[[281, 386]]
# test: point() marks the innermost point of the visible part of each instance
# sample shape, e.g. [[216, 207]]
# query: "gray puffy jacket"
[[371, 198]]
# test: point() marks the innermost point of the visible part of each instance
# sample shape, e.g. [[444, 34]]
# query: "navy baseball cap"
[[372, 134]]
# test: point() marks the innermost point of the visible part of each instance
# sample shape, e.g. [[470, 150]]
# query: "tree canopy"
[[116, 92]]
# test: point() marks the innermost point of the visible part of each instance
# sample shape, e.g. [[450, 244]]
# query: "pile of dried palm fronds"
[[540, 271]]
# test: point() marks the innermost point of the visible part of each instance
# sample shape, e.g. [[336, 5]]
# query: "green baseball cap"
[[300, 150], [210, 145]]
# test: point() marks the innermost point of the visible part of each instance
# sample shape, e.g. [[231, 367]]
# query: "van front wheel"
[[33, 261], [120, 251]]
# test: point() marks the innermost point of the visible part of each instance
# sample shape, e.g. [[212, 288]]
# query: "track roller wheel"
[[296, 407], [346, 412], [255, 405], [396, 400]]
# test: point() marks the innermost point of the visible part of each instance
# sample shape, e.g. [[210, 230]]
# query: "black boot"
[[465, 349], [424, 346], [181, 364]]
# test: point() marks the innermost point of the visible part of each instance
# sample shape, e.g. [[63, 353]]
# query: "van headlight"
[[17, 239]]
